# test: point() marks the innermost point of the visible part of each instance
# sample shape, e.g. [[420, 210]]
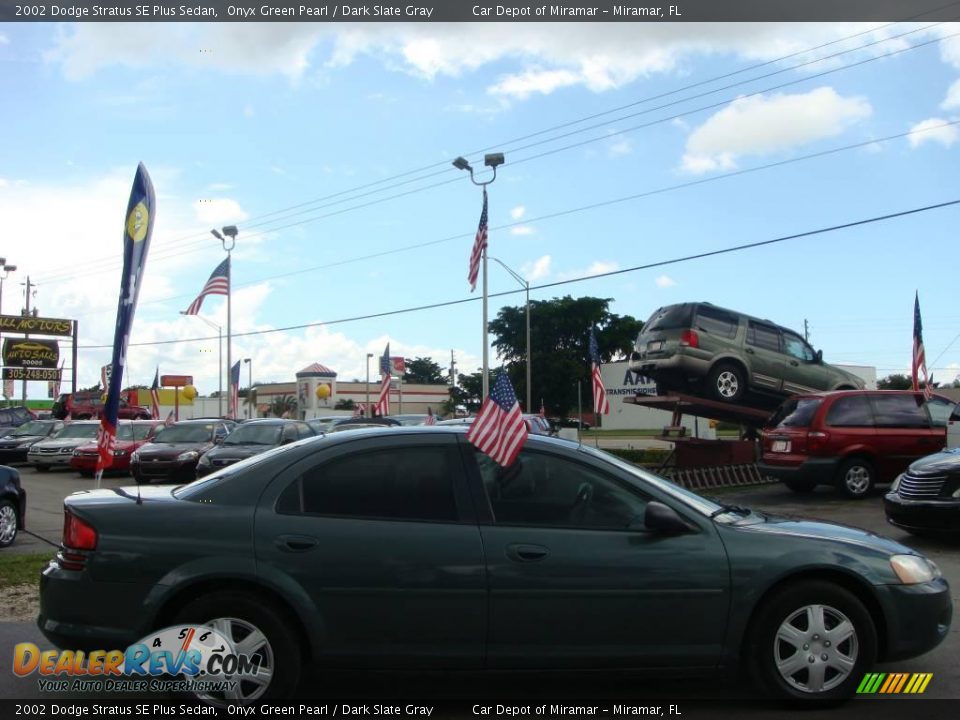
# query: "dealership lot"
[[44, 520]]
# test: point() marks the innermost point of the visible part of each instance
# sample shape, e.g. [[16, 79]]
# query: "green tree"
[[559, 340], [424, 370], [282, 404], [899, 381], [345, 404], [467, 393]]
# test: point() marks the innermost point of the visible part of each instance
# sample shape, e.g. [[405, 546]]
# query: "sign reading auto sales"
[[31, 353], [35, 325]]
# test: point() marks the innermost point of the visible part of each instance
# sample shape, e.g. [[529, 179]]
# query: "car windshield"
[[194, 432], [87, 431], [795, 412], [669, 318], [255, 435], [124, 432], [690, 499], [323, 424], [140, 432], [34, 427]]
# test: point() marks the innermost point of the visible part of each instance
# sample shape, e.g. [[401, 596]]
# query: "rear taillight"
[[78, 534], [816, 441], [689, 338]]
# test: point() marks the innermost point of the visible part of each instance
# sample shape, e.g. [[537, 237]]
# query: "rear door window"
[[717, 321], [940, 410], [898, 410], [763, 336], [850, 411]]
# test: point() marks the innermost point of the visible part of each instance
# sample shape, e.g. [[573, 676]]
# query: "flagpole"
[[230, 231]]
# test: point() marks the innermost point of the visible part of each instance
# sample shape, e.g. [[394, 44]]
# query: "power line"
[[635, 268]]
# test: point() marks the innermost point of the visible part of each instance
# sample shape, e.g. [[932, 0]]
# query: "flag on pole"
[[358, 409], [105, 372], [382, 406], [170, 420], [479, 246], [499, 429], [138, 228], [155, 395], [218, 284], [56, 383], [431, 418], [543, 409], [919, 355], [601, 406], [235, 389]]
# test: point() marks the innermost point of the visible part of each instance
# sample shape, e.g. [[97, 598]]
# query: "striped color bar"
[[894, 683]]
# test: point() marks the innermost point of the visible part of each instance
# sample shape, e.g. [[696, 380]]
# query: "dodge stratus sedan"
[[407, 547]]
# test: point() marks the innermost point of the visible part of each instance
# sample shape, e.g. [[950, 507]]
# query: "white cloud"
[[933, 130], [518, 212], [952, 100], [622, 146], [218, 210], [522, 230], [542, 82], [665, 281], [537, 270], [765, 124], [950, 46], [248, 111]]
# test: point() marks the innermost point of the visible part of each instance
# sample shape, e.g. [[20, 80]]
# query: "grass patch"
[[22, 569]]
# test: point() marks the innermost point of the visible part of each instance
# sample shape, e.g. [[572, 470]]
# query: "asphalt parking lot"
[[44, 520]]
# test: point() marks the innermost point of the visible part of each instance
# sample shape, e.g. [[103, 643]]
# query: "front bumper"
[[918, 617], [88, 463], [51, 460], [9, 455], [171, 470], [941, 516], [820, 471]]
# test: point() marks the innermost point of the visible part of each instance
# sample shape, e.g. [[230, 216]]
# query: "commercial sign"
[[28, 325], [19, 373], [31, 353], [176, 380]]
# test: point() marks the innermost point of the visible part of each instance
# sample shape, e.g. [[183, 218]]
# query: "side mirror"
[[819, 356], [218, 439], [664, 519]]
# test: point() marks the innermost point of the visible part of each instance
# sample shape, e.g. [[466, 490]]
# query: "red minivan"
[[852, 439]]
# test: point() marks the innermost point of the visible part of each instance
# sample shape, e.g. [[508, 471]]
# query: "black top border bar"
[[476, 11]]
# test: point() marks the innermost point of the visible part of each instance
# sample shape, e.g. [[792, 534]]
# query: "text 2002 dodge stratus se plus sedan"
[[407, 548]]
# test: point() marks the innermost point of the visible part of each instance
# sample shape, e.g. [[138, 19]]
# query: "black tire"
[[856, 478], [281, 652], [727, 382], [801, 487], [783, 674], [9, 519]]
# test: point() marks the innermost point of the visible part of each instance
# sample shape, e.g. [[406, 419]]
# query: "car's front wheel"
[[856, 478], [8, 523], [811, 641], [257, 630]]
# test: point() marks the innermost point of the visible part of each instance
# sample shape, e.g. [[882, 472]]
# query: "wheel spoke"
[[792, 665], [842, 664], [815, 621], [222, 626], [261, 678], [253, 642], [815, 676], [841, 632], [790, 635]]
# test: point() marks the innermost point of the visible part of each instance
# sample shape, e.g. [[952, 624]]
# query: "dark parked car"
[[925, 500], [13, 505], [173, 453], [14, 446], [251, 438], [14, 417], [852, 439], [406, 547], [728, 356]]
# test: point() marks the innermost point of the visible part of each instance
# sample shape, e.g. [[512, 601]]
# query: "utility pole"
[[806, 330], [453, 370], [26, 312]]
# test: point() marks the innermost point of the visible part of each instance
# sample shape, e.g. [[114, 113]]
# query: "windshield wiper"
[[738, 509]]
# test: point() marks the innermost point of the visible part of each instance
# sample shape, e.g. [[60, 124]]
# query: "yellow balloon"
[[103, 398], [189, 392], [323, 391]]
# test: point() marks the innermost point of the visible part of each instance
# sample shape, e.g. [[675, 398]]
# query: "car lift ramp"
[[680, 405]]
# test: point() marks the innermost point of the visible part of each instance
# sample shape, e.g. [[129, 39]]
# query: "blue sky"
[[304, 134]]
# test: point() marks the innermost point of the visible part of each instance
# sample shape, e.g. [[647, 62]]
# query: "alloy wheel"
[[247, 640], [8, 524], [857, 479], [815, 649], [728, 384]]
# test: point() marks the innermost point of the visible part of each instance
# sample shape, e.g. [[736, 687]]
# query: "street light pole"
[[493, 161], [230, 231], [249, 363], [366, 410], [219, 330], [7, 269], [526, 286]]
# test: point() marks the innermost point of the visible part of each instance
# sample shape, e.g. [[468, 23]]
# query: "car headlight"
[[956, 493], [204, 460], [76, 453], [913, 569], [188, 455], [896, 483], [67, 451], [119, 453]]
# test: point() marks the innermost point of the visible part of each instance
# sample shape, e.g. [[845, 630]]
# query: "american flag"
[[543, 409], [359, 409], [235, 389], [919, 356], [218, 284], [479, 246], [155, 395], [601, 406], [431, 418], [499, 429], [170, 420], [382, 406]]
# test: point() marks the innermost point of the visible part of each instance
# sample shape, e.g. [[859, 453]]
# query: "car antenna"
[[579, 418]]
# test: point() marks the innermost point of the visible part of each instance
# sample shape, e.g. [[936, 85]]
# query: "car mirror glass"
[[664, 519]]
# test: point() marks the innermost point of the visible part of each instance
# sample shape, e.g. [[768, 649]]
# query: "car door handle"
[[750, 351], [794, 363], [296, 543], [526, 553]]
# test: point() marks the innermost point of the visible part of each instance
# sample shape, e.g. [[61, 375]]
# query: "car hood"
[[15, 440], [164, 450], [794, 527], [61, 443], [947, 461], [237, 452], [91, 446]]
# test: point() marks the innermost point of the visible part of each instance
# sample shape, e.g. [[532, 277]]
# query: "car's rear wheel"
[[8, 523], [257, 629], [811, 641], [727, 382], [800, 486], [856, 478]]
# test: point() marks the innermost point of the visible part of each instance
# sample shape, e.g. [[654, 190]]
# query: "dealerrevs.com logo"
[[200, 658]]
